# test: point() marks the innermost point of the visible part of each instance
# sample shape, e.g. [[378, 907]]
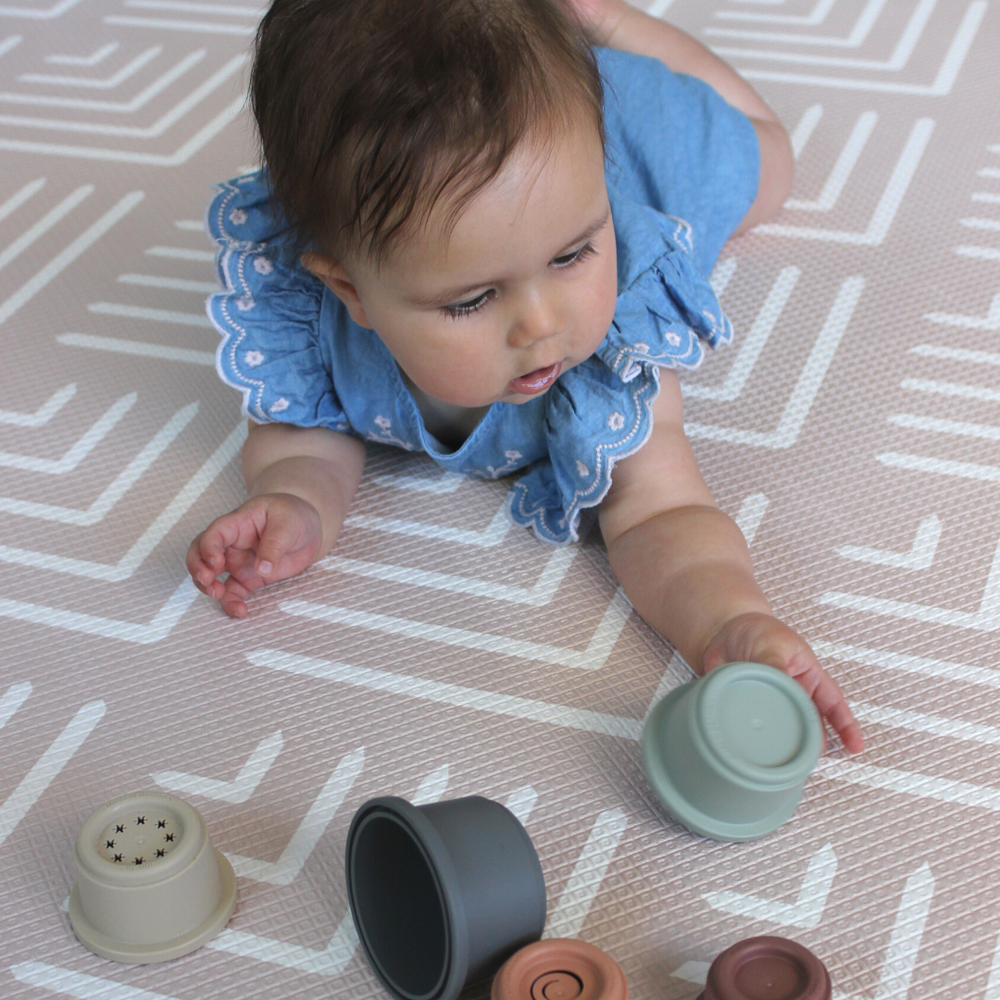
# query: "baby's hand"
[[269, 538], [760, 638]]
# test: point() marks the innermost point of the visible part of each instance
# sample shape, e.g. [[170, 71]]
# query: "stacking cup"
[[441, 894], [560, 969], [729, 754], [767, 968], [151, 887]]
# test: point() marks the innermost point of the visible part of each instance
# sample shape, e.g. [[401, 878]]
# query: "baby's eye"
[[474, 305], [467, 308], [575, 257]]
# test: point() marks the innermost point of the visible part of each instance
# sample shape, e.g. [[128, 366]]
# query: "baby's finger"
[[233, 598], [280, 534], [235, 530], [202, 574], [846, 727], [828, 698]]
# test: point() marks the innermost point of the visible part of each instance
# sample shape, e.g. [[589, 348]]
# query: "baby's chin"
[[517, 398]]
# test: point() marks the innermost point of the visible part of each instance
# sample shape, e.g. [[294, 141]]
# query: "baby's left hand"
[[760, 638]]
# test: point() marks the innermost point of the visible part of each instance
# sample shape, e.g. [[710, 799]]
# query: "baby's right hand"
[[268, 538]]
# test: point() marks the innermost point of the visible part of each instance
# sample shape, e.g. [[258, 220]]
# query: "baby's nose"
[[536, 320]]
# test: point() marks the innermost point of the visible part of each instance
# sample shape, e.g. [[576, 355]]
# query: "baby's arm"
[[618, 25], [301, 482], [685, 566]]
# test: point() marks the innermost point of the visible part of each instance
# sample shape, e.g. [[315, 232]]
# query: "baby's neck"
[[450, 424]]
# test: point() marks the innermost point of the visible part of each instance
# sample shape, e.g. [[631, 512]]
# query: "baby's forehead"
[[540, 202]]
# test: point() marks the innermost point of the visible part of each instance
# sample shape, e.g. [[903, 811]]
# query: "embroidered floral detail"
[[253, 358], [262, 265], [237, 216], [672, 339], [616, 421], [279, 405], [244, 303], [497, 471], [582, 470], [641, 347], [386, 437]]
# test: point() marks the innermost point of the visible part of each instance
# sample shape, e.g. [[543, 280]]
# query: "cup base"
[[145, 954], [685, 812]]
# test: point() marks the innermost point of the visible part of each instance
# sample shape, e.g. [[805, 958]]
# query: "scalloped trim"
[[534, 517], [231, 274]]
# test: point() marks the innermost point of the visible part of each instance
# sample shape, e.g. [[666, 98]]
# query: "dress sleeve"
[[674, 144], [269, 316]]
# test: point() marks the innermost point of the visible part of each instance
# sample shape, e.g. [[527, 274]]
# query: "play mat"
[[852, 429]]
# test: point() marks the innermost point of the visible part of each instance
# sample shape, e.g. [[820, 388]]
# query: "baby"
[[484, 231]]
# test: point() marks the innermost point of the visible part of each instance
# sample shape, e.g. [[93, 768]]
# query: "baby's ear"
[[333, 275]]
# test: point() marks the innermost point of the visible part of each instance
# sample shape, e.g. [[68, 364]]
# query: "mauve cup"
[[729, 754], [441, 894], [560, 969], [767, 968]]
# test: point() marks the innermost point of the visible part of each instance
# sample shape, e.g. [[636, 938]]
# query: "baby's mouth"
[[537, 381]]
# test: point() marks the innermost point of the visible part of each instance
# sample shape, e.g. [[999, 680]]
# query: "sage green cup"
[[728, 754]]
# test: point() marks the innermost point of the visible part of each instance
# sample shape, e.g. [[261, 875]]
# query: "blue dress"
[[682, 170]]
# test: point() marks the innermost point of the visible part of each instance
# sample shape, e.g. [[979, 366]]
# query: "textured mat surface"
[[852, 429]]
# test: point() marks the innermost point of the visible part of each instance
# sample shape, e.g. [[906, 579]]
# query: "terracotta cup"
[[767, 968], [560, 969]]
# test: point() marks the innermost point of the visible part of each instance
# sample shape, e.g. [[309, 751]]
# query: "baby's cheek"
[[599, 310], [462, 378]]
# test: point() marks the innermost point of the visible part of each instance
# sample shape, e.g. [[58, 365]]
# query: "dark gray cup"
[[441, 894]]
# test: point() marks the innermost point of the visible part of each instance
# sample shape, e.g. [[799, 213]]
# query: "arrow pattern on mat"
[[294, 856], [240, 788], [806, 911]]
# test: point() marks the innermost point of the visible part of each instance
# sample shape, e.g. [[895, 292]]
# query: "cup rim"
[[679, 807], [782, 776], [145, 954], [428, 841]]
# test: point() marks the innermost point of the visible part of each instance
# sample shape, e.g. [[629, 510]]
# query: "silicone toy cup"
[[151, 885], [560, 969], [729, 753], [767, 968], [441, 894]]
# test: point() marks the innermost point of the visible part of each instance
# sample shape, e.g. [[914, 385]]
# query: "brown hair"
[[369, 110]]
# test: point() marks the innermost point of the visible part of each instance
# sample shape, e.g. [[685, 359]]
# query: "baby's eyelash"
[[467, 308], [474, 305], [576, 256]]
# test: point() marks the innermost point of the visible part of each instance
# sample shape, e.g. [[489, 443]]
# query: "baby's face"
[[524, 289]]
